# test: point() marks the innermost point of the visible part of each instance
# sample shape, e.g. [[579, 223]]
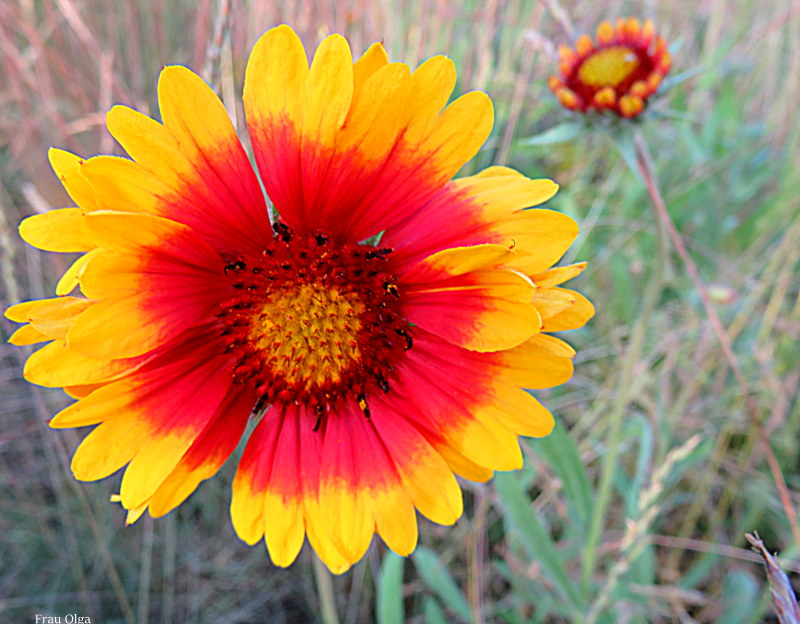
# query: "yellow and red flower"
[[376, 370], [617, 74]]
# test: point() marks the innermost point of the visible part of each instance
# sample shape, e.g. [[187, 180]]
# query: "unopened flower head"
[[378, 331], [618, 73]]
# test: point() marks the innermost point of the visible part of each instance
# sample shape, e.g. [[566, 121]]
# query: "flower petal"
[[69, 281], [374, 476], [200, 171], [380, 164], [371, 61], [207, 453], [488, 208], [539, 362], [167, 283], [56, 365], [562, 309], [149, 419], [485, 309], [53, 317], [56, 230], [558, 275], [425, 475], [275, 492], [448, 393], [27, 335], [67, 167]]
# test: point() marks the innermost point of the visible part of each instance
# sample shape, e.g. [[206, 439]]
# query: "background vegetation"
[[691, 478]]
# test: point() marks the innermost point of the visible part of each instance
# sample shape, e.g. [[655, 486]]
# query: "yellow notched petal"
[[67, 167], [516, 410], [558, 275], [462, 129], [503, 326], [56, 230], [149, 143], [373, 59], [276, 79], [69, 281], [177, 487], [27, 335], [113, 274], [501, 191], [463, 466], [117, 328], [126, 231], [330, 90], [284, 530], [460, 260], [133, 514], [124, 185], [432, 487], [540, 362], [54, 317], [319, 537], [153, 463], [19, 311], [395, 519], [111, 400], [431, 85], [552, 301], [540, 237], [192, 112], [110, 446], [247, 510], [351, 516], [56, 365], [486, 444], [573, 316], [378, 113]]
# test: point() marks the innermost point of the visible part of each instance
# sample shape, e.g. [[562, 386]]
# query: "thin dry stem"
[[727, 348]]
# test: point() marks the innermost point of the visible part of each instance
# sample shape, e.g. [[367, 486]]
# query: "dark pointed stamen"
[[407, 336], [362, 403], [282, 230], [319, 411]]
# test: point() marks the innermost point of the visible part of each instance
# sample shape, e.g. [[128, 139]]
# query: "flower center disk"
[[311, 321], [609, 67]]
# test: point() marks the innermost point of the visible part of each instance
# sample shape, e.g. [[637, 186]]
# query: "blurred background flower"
[[618, 72], [727, 158]]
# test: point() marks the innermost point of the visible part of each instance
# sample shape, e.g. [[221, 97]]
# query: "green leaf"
[[740, 596], [389, 597], [632, 490], [559, 450], [674, 80], [522, 520], [668, 113], [557, 134], [438, 579], [433, 612], [625, 145]]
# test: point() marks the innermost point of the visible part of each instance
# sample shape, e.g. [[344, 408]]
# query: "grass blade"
[[389, 597], [439, 580], [522, 520]]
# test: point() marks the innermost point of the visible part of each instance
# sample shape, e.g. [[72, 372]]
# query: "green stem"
[[651, 297], [327, 602]]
